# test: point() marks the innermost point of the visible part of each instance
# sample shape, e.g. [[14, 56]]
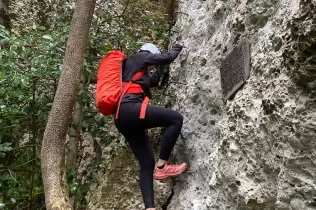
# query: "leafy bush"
[[31, 57]]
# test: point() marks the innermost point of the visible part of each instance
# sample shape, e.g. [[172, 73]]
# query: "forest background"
[[33, 36]]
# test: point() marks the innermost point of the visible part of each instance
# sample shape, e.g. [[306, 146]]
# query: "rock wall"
[[118, 187], [258, 150]]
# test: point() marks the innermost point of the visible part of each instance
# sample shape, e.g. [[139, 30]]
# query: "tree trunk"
[[74, 131], [4, 14], [53, 153]]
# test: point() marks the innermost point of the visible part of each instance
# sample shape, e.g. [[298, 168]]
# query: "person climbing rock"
[[133, 127]]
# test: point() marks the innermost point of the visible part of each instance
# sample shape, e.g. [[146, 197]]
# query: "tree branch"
[[15, 169], [24, 146], [33, 141]]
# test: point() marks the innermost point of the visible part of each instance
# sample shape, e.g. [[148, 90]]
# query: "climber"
[[134, 129]]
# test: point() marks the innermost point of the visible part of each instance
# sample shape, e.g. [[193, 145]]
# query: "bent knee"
[[178, 119]]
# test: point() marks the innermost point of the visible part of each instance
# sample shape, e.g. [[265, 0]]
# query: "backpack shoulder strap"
[[138, 75]]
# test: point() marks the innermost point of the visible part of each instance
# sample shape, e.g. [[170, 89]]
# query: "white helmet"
[[151, 48]]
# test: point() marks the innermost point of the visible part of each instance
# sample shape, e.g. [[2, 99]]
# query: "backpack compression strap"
[[131, 87]]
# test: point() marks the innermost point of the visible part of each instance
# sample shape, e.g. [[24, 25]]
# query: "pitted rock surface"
[[257, 151]]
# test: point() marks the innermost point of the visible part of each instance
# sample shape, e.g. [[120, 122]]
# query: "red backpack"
[[110, 88]]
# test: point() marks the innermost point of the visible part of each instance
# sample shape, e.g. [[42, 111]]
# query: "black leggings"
[[134, 130]]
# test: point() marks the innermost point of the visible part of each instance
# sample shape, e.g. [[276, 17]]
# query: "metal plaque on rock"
[[235, 69]]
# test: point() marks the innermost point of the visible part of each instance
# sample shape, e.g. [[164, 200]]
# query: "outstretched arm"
[[163, 58]]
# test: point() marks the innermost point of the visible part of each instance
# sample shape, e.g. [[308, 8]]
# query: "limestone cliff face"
[[258, 150]]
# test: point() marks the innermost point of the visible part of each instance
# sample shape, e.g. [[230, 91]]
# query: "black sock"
[[161, 167]]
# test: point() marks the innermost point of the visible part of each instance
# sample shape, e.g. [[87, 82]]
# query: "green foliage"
[[76, 189], [30, 66], [5, 147], [48, 14], [31, 56], [127, 24], [79, 186]]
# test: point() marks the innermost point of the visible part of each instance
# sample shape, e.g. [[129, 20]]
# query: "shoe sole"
[[167, 176]]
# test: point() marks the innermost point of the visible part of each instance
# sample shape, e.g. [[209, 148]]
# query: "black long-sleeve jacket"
[[141, 60]]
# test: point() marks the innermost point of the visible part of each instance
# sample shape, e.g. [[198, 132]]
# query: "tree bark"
[[53, 153], [74, 131]]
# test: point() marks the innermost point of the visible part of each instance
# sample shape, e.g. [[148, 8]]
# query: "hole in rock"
[[213, 111], [312, 61], [203, 62], [236, 38], [195, 98], [232, 129], [302, 59], [257, 180], [312, 205], [165, 206], [182, 63], [225, 49], [295, 29], [218, 47], [291, 61]]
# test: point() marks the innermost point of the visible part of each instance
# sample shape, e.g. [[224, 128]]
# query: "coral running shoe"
[[169, 170]]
